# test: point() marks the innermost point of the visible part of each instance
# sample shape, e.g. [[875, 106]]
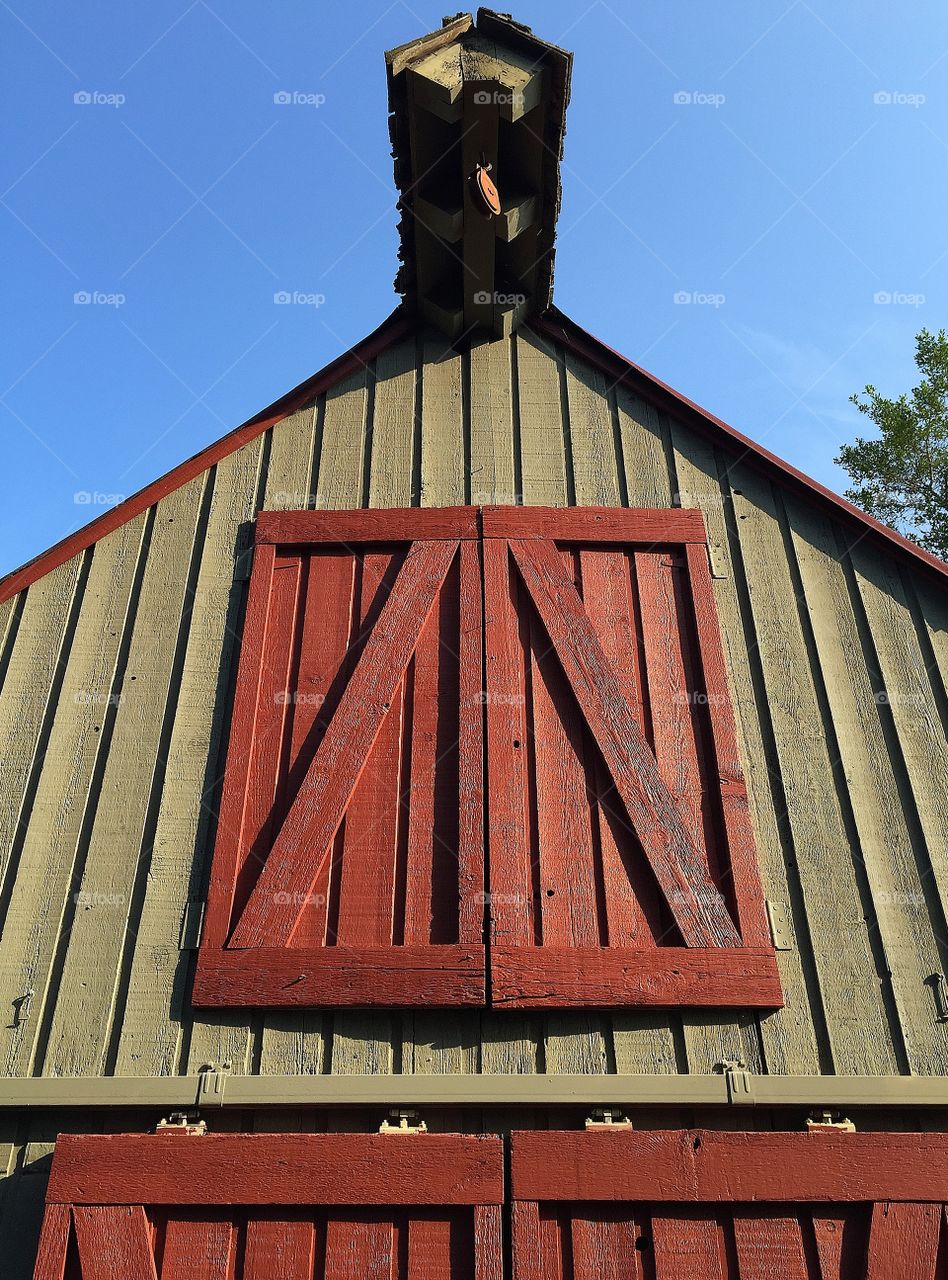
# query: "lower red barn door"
[[268, 1207], [703, 1205]]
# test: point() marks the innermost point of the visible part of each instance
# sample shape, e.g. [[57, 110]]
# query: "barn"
[[485, 818]]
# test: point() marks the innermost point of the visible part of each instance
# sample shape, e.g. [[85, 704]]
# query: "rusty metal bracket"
[[186, 1122], [403, 1122], [823, 1121], [608, 1118]]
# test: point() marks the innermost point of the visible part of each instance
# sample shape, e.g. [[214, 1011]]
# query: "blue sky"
[[784, 165]]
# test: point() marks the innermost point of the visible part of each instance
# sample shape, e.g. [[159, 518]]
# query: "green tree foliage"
[[901, 477]]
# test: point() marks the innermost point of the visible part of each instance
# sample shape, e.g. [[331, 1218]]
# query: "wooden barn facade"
[[483, 819]]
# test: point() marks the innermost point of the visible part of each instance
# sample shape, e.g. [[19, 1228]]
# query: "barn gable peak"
[[478, 116]]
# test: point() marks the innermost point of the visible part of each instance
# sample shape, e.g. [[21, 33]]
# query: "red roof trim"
[[558, 328], [395, 327]]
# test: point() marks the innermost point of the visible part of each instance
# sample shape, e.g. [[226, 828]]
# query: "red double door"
[[602, 1205], [418, 687]]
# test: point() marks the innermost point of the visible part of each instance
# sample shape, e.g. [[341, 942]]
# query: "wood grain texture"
[[886, 833], [341, 478], [786, 1040], [492, 408], [279, 1247], [903, 1241], [114, 1242], [51, 841], [277, 1169], [199, 1249], [693, 901], [688, 1247], [716, 1167], [661, 977], [121, 832], [393, 426], [27, 689], [156, 1011], [53, 1243], [443, 450], [860, 1037], [768, 1246], [319, 805]]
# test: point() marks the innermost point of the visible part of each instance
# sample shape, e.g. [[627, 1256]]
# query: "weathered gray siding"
[[117, 672]]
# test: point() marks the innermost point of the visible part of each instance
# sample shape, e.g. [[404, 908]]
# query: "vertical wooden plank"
[[393, 426], [726, 772], [114, 1242], [789, 1036], [604, 1249], [320, 677], [645, 443], [30, 675], [591, 435], [359, 1250], [671, 713], [768, 1247], [432, 791], [511, 886], [492, 424], [688, 1247], [40, 896], [340, 482], [198, 1250], [366, 893], [121, 835], [567, 877], [903, 1241], [442, 427], [828, 1234], [279, 1247], [429, 1249], [488, 1242], [53, 1243], [529, 1263], [290, 465], [471, 881], [885, 836], [542, 451], [859, 1033]]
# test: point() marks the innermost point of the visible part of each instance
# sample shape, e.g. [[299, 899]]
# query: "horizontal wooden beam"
[[285, 1169], [213, 1089], [708, 1166]]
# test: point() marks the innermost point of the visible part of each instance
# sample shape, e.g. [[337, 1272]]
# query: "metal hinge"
[[717, 559], [212, 1080], [740, 1082], [403, 1122], [243, 565], [182, 1122], [823, 1120], [608, 1118], [189, 935], [937, 984], [781, 934]]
